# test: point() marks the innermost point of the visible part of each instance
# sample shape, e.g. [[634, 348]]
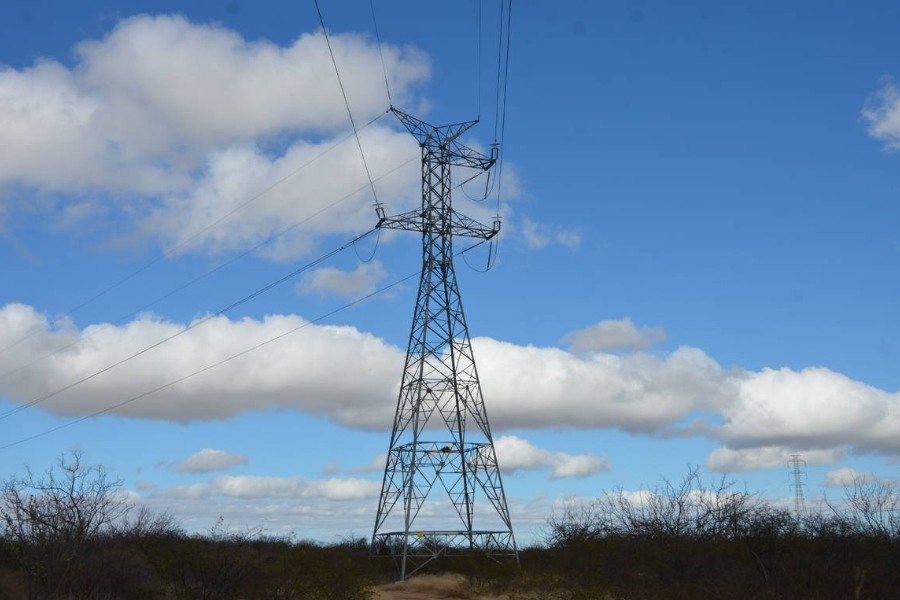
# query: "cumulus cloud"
[[47, 120], [165, 90], [531, 387], [245, 197], [332, 282], [165, 122], [882, 111], [305, 370], [526, 387], [816, 412], [252, 487], [759, 418], [515, 453], [728, 460], [812, 408], [210, 459], [614, 335], [194, 138]]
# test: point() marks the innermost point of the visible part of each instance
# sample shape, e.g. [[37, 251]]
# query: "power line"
[[208, 367], [499, 62], [478, 10], [505, 95], [190, 327], [492, 256], [387, 86], [346, 102]]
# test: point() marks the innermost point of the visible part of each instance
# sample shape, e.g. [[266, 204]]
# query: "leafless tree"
[[49, 520], [67, 504], [870, 508], [688, 508]]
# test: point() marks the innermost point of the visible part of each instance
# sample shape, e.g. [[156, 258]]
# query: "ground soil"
[[430, 587]]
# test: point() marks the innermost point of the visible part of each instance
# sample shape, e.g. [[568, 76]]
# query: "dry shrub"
[[687, 540]]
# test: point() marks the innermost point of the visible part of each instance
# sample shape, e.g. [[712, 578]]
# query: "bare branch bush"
[[67, 505], [688, 508], [50, 518], [662, 537], [870, 508]]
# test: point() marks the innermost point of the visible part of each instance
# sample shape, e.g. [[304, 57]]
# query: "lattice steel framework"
[[441, 456], [797, 477]]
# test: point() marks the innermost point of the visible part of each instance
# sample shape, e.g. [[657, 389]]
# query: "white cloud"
[[728, 460], [331, 195], [305, 370], [526, 387], [759, 418], [210, 459], [614, 335], [515, 453], [47, 122], [848, 476], [164, 122], [530, 387], [812, 408], [164, 90], [541, 235], [252, 487], [332, 282], [190, 136], [882, 111]]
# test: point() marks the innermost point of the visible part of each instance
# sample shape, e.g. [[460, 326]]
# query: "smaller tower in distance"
[[798, 477]]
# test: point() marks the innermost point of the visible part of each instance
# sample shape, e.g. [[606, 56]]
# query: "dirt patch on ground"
[[431, 587]]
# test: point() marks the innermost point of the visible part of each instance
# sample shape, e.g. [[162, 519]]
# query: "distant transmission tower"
[[441, 456], [798, 476]]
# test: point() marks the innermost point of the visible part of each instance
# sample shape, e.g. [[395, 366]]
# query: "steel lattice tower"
[[798, 475], [441, 456]]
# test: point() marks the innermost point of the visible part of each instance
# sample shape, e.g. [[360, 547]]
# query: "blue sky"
[[696, 267]]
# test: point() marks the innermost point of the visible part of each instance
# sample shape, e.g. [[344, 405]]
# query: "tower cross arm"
[[429, 135], [464, 156], [459, 224], [443, 141], [466, 227], [408, 221]]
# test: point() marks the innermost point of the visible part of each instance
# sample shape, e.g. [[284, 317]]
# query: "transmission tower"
[[441, 456], [798, 475]]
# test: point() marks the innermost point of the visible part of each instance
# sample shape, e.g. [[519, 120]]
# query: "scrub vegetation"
[[69, 533]]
